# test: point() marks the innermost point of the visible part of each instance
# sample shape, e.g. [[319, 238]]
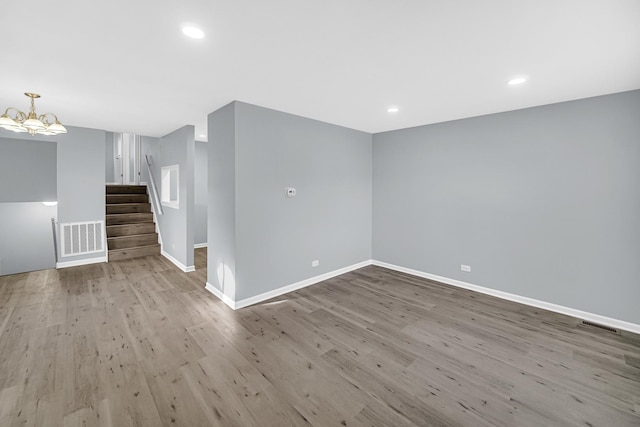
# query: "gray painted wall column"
[[541, 202], [329, 220], [81, 186], [176, 225], [201, 193], [221, 213], [264, 239]]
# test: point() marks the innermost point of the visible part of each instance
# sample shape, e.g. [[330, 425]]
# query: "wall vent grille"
[[599, 326], [79, 238]]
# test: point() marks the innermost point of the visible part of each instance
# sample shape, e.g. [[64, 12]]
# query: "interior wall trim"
[[200, 245], [218, 293], [181, 266], [78, 262], [596, 318], [284, 289]]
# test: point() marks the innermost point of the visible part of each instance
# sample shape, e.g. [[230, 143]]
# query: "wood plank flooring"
[[139, 343]]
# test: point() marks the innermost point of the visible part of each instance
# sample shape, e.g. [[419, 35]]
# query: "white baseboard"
[[596, 318], [78, 262], [177, 263], [200, 245], [218, 293], [283, 290]]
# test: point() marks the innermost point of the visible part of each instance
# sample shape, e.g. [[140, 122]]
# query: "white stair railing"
[[157, 206]]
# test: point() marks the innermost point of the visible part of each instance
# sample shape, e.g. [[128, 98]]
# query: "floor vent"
[[599, 326], [79, 238]]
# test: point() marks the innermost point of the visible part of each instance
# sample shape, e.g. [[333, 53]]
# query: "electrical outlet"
[[290, 192], [466, 268], [315, 263]]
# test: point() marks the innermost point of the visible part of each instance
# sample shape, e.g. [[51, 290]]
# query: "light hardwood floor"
[[139, 343]]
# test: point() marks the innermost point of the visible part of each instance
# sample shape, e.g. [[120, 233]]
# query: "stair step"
[[130, 218], [126, 189], [130, 229], [120, 208], [124, 242], [120, 254], [127, 198]]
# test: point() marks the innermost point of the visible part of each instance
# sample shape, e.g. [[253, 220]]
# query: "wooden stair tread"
[[155, 245], [132, 214], [121, 189], [129, 218], [130, 229], [132, 241], [126, 198], [135, 252], [122, 208], [131, 235], [132, 225]]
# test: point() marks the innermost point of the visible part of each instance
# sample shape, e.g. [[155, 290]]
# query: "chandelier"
[[32, 123]]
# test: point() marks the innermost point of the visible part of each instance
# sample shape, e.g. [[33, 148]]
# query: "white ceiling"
[[124, 65]]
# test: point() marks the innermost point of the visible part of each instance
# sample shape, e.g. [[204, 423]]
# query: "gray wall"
[[221, 212], [276, 237], [176, 225], [200, 196], [81, 172], [81, 164], [26, 237], [541, 202], [109, 159], [27, 174], [148, 145], [27, 170]]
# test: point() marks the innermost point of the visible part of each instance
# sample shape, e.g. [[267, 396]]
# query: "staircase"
[[131, 232]]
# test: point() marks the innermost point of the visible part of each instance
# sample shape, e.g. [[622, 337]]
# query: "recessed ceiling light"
[[517, 81], [393, 109], [193, 32]]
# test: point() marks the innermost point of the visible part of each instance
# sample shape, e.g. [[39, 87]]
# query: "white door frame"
[[127, 154]]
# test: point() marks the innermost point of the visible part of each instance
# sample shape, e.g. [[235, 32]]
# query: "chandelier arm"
[[44, 119], [50, 113], [6, 112]]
